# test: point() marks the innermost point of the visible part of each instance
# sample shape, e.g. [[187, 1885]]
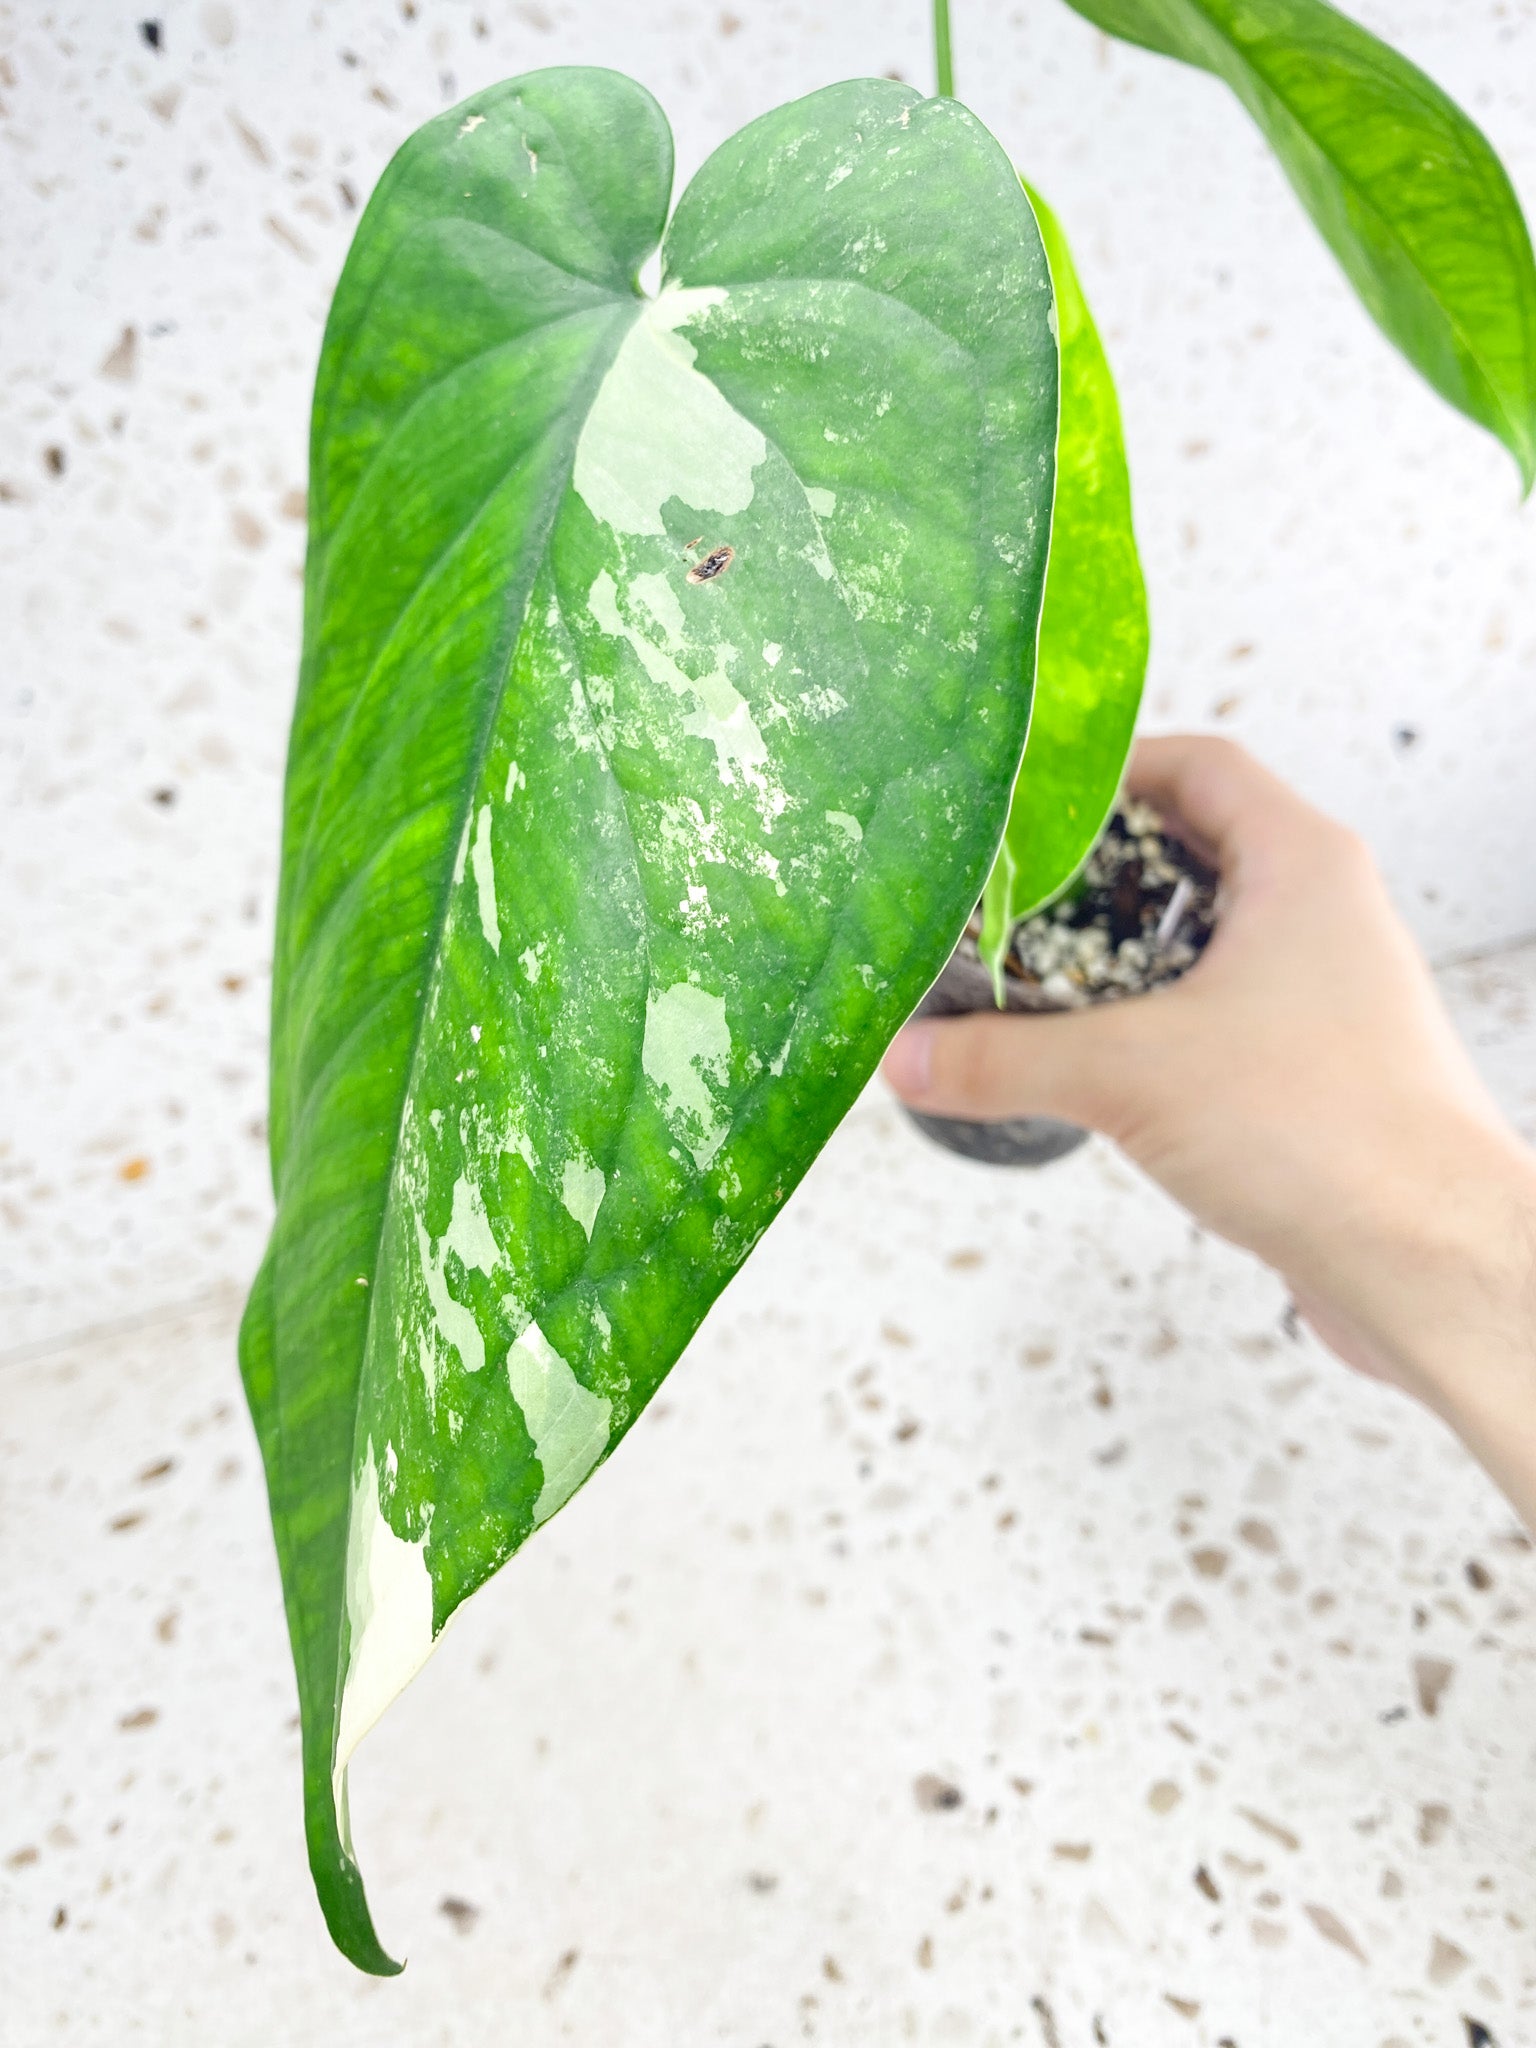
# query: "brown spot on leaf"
[[714, 565]]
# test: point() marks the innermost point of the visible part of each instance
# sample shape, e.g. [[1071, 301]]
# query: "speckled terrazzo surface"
[[1335, 559], [970, 1482], [1000, 1623]]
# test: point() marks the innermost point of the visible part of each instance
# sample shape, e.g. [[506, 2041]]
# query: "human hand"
[[1302, 1092]]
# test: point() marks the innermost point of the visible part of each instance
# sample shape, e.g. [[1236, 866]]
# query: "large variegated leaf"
[[1092, 658], [1404, 188], [666, 669]]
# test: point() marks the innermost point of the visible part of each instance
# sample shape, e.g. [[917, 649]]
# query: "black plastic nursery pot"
[[1140, 916]]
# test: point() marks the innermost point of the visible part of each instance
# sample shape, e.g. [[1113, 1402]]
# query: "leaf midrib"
[[555, 497]]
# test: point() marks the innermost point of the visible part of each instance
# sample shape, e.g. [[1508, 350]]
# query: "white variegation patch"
[[660, 430], [568, 1423], [686, 1055], [720, 713], [468, 1234], [582, 1187], [389, 1621], [483, 863]]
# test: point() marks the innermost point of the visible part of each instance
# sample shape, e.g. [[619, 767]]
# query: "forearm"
[[1441, 1287]]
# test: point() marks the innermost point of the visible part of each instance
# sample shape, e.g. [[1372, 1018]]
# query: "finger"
[[1218, 797], [988, 1066]]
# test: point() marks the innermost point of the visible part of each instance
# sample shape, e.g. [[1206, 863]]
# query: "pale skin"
[[1302, 1093]]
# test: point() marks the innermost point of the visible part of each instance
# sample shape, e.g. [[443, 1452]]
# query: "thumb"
[[1080, 1066]]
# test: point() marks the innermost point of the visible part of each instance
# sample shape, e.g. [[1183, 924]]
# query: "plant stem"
[[942, 61]]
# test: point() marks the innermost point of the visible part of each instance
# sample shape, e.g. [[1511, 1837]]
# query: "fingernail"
[[908, 1064]]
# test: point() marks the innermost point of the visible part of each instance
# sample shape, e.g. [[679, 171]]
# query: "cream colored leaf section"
[[389, 1617], [660, 430], [582, 1187], [568, 1423], [686, 1055], [720, 713]]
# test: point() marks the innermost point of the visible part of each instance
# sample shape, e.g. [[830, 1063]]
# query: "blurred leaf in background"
[[1404, 188]]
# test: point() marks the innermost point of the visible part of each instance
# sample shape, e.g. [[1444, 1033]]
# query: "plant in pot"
[[678, 675]]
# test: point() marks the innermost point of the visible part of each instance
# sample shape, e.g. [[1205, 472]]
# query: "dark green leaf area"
[[525, 202], [1405, 189]]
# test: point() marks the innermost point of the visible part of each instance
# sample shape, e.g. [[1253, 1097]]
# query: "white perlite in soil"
[[1142, 916], [1139, 916]]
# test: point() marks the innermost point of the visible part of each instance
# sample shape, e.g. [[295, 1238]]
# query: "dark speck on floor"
[[936, 1795]]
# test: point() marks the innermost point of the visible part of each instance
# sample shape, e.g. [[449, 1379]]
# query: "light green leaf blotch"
[[582, 1187], [687, 1047], [481, 862], [721, 714], [1091, 660]]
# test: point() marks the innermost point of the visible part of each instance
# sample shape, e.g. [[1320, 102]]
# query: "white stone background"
[[732, 1658]]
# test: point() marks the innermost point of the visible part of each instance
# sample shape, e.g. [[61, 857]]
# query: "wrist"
[[1437, 1272]]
